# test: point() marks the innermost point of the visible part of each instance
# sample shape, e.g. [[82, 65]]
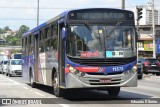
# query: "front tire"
[[157, 74], [114, 91], [140, 77], [58, 92]]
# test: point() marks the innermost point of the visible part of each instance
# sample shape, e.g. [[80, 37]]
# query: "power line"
[[52, 8], [19, 19], [36, 8]]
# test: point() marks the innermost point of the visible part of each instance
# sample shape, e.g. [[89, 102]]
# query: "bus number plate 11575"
[[106, 80]]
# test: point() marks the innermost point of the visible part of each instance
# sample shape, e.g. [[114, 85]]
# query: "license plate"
[[153, 65], [104, 80]]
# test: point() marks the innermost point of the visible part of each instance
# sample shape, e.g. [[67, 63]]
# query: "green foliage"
[[15, 51], [22, 30], [6, 28], [1, 31], [12, 40]]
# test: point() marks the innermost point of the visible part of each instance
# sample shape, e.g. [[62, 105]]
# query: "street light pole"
[[153, 33], [123, 4], [38, 13]]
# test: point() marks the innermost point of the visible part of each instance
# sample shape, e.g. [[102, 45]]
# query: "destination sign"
[[101, 15]]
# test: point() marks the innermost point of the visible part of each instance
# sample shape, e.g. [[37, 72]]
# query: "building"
[[159, 17], [147, 16], [145, 41], [7, 33]]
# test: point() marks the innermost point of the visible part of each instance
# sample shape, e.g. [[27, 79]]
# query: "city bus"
[[92, 48]]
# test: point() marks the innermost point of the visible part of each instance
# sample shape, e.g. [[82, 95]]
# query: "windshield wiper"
[[109, 34], [92, 31]]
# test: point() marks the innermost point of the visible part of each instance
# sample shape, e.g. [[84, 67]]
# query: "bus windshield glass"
[[100, 41]]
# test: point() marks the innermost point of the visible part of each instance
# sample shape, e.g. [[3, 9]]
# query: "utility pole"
[[153, 33], [139, 16], [123, 4], [38, 13]]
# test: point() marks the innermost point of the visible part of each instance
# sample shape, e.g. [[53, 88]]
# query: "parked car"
[[151, 65], [140, 67], [14, 67], [3, 58], [4, 66]]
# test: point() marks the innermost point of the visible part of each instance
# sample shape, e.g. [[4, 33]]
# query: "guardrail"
[[10, 47]]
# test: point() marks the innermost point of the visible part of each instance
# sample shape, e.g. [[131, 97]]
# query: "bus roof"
[[64, 15]]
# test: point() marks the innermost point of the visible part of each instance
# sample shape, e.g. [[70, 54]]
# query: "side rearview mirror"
[[64, 33]]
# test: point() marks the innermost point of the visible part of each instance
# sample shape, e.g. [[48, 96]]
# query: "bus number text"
[[117, 68]]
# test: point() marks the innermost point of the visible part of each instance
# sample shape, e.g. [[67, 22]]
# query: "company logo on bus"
[[89, 54]]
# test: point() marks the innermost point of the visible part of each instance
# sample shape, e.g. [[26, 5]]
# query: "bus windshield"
[[100, 41]]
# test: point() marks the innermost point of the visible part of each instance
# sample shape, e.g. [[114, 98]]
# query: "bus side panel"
[[51, 63], [25, 68], [47, 62], [41, 73]]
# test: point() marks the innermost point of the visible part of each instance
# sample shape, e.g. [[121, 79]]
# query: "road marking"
[[15, 82], [63, 105], [40, 94], [25, 87]]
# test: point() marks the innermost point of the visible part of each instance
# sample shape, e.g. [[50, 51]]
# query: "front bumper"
[[93, 81], [152, 69], [16, 72]]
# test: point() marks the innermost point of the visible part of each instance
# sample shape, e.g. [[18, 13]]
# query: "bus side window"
[[54, 30], [23, 45], [26, 40], [41, 48], [43, 42], [48, 45], [48, 41], [54, 43], [54, 36]]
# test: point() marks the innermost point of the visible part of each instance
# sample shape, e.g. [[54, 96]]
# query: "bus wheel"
[[32, 83], [157, 74], [114, 91], [55, 83]]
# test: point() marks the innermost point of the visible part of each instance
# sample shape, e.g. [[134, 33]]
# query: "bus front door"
[[36, 54]]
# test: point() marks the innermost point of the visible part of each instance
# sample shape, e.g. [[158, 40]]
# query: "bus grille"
[[111, 73], [103, 62], [113, 82]]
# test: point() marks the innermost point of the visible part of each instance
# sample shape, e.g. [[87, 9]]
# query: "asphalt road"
[[148, 89]]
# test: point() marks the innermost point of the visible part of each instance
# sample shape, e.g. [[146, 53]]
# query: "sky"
[[14, 13]]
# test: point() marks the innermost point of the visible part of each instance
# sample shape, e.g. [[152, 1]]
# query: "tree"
[[1, 31], [6, 28], [13, 40], [22, 30]]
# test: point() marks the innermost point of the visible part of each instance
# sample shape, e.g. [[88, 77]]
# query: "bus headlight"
[[73, 70], [129, 72], [135, 67]]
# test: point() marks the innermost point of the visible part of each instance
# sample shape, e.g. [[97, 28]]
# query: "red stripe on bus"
[[88, 69]]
